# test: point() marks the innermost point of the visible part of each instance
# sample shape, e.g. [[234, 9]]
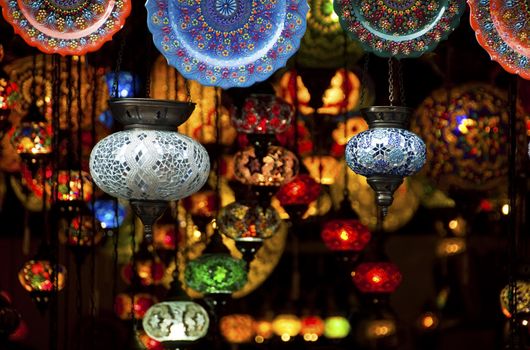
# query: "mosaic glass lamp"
[[286, 326], [376, 277], [123, 305], [263, 114], [522, 298], [336, 327], [8, 97], [40, 277], [33, 137], [312, 328], [216, 273], [296, 196], [273, 168], [237, 328], [149, 163], [386, 152], [109, 212], [248, 224], [345, 235], [175, 323]]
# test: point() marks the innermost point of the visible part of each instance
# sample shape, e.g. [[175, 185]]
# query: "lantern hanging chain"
[[134, 278], [218, 135], [80, 115], [391, 96], [512, 229], [93, 116], [69, 144], [403, 97], [34, 80], [115, 93]]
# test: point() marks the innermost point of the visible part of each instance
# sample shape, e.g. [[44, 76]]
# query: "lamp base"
[[384, 187], [148, 212]]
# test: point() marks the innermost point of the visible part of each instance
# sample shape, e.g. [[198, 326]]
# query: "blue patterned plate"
[[227, 43]]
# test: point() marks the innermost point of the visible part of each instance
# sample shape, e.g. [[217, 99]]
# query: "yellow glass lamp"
[[286, 326]]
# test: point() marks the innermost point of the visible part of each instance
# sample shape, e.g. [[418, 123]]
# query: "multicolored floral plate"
[[399, 28], [227, 43], [66, 27], [502, 28]]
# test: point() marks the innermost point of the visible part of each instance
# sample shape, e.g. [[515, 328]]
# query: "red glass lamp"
[[345, 235], [123, 305], [377, 277], [312, 328], [302, 190], [264, 114]]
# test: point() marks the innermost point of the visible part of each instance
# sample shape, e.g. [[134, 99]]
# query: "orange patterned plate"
[[66, 27], [502, 28]]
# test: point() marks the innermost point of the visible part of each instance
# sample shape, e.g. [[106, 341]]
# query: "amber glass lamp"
[[237, 328]]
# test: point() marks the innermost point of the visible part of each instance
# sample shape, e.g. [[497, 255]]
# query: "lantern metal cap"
[[387, 116], [148, 113]]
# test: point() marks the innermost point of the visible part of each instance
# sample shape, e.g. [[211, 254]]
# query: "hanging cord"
[[513, 239], [218, 135], [115, 92], [403, 97], [93, 117], [391, 96], [134, 278]]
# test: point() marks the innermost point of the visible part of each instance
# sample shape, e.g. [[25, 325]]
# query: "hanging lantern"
[[466, 130], [81, 231], [376, 277], [71, 186], [237, 328], [8, 97], [149, 272], [128, 83], [345, 235], [149, 163], [123, 305], [109, 212], [286, 326], [322, 168], [202, 203], [154, 163], [263, 330], [248, 222], [176, 322], [385, 153], [336, 327], [274, 168], [216, 274], [33, 137], [302, 190], [341, 95], [165, 236], [312, 328], [264, 114], [522, 298], [41, 279]]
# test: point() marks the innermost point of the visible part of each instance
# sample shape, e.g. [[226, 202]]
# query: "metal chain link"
[[401, 84], [391, 81]]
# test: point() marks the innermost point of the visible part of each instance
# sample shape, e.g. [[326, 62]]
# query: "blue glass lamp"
[[105, 211], [386, 152]]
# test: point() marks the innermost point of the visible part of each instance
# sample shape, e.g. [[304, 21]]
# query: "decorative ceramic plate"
[[399, 28], [66, 27], [501, 28], [227, 43]]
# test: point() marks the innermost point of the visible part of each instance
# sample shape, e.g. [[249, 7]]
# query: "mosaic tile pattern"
[[149, 165], [245, 222], [176, 321], [216, 273], [385, 151]]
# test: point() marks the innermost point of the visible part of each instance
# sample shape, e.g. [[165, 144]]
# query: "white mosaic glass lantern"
[[149, 160], [174, 322]]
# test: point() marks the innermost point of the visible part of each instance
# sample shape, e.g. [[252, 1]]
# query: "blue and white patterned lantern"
[[387, 152]]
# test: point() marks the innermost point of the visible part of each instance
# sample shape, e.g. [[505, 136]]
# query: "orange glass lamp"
[[377, 329], [123, 305], [312, 328], [147, 342], [237, 328], [286, 326], [336, 327], [376, 277], [263, 330]]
